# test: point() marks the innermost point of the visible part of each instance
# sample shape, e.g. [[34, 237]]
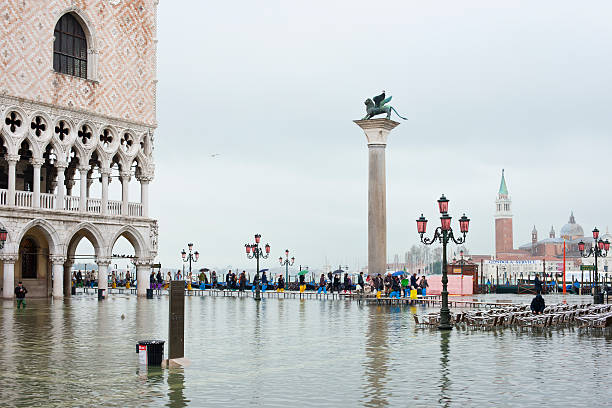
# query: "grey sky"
[[273, 87]]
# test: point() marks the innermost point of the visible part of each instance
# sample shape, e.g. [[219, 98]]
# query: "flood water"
[[281, 352]]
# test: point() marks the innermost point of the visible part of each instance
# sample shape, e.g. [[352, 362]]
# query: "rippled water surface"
[[80, 352]]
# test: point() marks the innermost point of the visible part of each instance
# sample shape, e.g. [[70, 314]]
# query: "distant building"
[[550, 249]]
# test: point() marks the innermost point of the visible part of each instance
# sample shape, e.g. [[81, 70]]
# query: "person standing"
[[264, 281], [347, 283], [360, 282], [151, 280], [242, 281], [336, 283], [281, 284], [423, 285], [538, 284], [20, 292], [322, 284], [302, 283]]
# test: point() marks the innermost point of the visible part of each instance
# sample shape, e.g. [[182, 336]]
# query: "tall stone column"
[[125, 185], [57, 263], [143, 271], [105, 173], [61, 184], [8, 290], [376, 131], [12, 160], [36, 164], [68, 277], [103, 264], [83, 200], [144, 195]]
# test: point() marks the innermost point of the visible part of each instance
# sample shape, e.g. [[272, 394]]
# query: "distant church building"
[[548, 248], [77, 111]]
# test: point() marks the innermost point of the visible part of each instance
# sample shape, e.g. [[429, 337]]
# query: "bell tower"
[[504, 241]]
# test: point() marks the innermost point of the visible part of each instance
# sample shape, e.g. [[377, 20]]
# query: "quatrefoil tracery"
[[106, 138], [84, 134], [13, 121], [38, 126], [62, 130], [126, 142]]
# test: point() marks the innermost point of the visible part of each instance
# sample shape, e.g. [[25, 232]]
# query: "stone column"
[[58, 276], [105, 173], [36, 164], [143, 271], [68, 277], [376, 131], [144, 195], [8, 290], [125, 179], [103, 264], [61, 185], [83, 200], [12, 160]]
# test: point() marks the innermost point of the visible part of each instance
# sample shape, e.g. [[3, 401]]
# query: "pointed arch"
[[134, 237], [55, 245], [85, 230]]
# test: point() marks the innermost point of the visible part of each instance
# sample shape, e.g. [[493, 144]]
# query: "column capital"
[[57, 259], [376, 130], [37, 162], [125, 175], [103, 261], [145, 178], [12, 158], [61, 165], [83, 168], [9, 258], [105, 171], [143, 262]]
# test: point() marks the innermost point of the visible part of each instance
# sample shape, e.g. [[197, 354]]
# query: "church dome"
[[571, 230]]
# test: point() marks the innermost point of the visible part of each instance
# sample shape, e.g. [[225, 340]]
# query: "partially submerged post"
[[176, 324]]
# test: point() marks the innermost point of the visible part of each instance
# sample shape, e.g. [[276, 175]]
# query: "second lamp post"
[[444, 234], [190, 257], [254, 251], [286, 263], [599, 248]]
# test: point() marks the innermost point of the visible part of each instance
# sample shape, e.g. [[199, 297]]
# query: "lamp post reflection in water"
[[445, 381]]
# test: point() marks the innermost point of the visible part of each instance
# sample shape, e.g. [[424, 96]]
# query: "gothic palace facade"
[[77, 104]]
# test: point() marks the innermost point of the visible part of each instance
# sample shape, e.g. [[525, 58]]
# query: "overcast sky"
[[272, 88]]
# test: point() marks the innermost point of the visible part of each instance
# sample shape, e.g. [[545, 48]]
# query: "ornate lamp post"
[[599, 248], [254, 251], [286, 263], [3, 234], [444, 234], [190, 257]]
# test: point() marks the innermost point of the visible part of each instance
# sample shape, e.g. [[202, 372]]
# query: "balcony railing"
[[25, 199]]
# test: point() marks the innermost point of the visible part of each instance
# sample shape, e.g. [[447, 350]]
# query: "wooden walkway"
[[429, 300]]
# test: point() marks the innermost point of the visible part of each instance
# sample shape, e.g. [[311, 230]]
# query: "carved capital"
[[145, 178], [105, 171], [84, 169], [37, 162], [103, 261], [143, 263], [61, 165], [9, 258], [12, 158], [57, 259], [125, 175]]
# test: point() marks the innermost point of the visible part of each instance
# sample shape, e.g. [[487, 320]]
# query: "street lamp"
[[254, 251], [3, 234], [444, 234], [598, 249], [190, 257], [286, 263]]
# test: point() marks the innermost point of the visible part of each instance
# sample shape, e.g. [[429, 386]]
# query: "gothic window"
[[70, 47]]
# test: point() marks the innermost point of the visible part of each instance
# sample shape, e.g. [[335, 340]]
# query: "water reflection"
[[376, 358], [176, 388], [445, 381]]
